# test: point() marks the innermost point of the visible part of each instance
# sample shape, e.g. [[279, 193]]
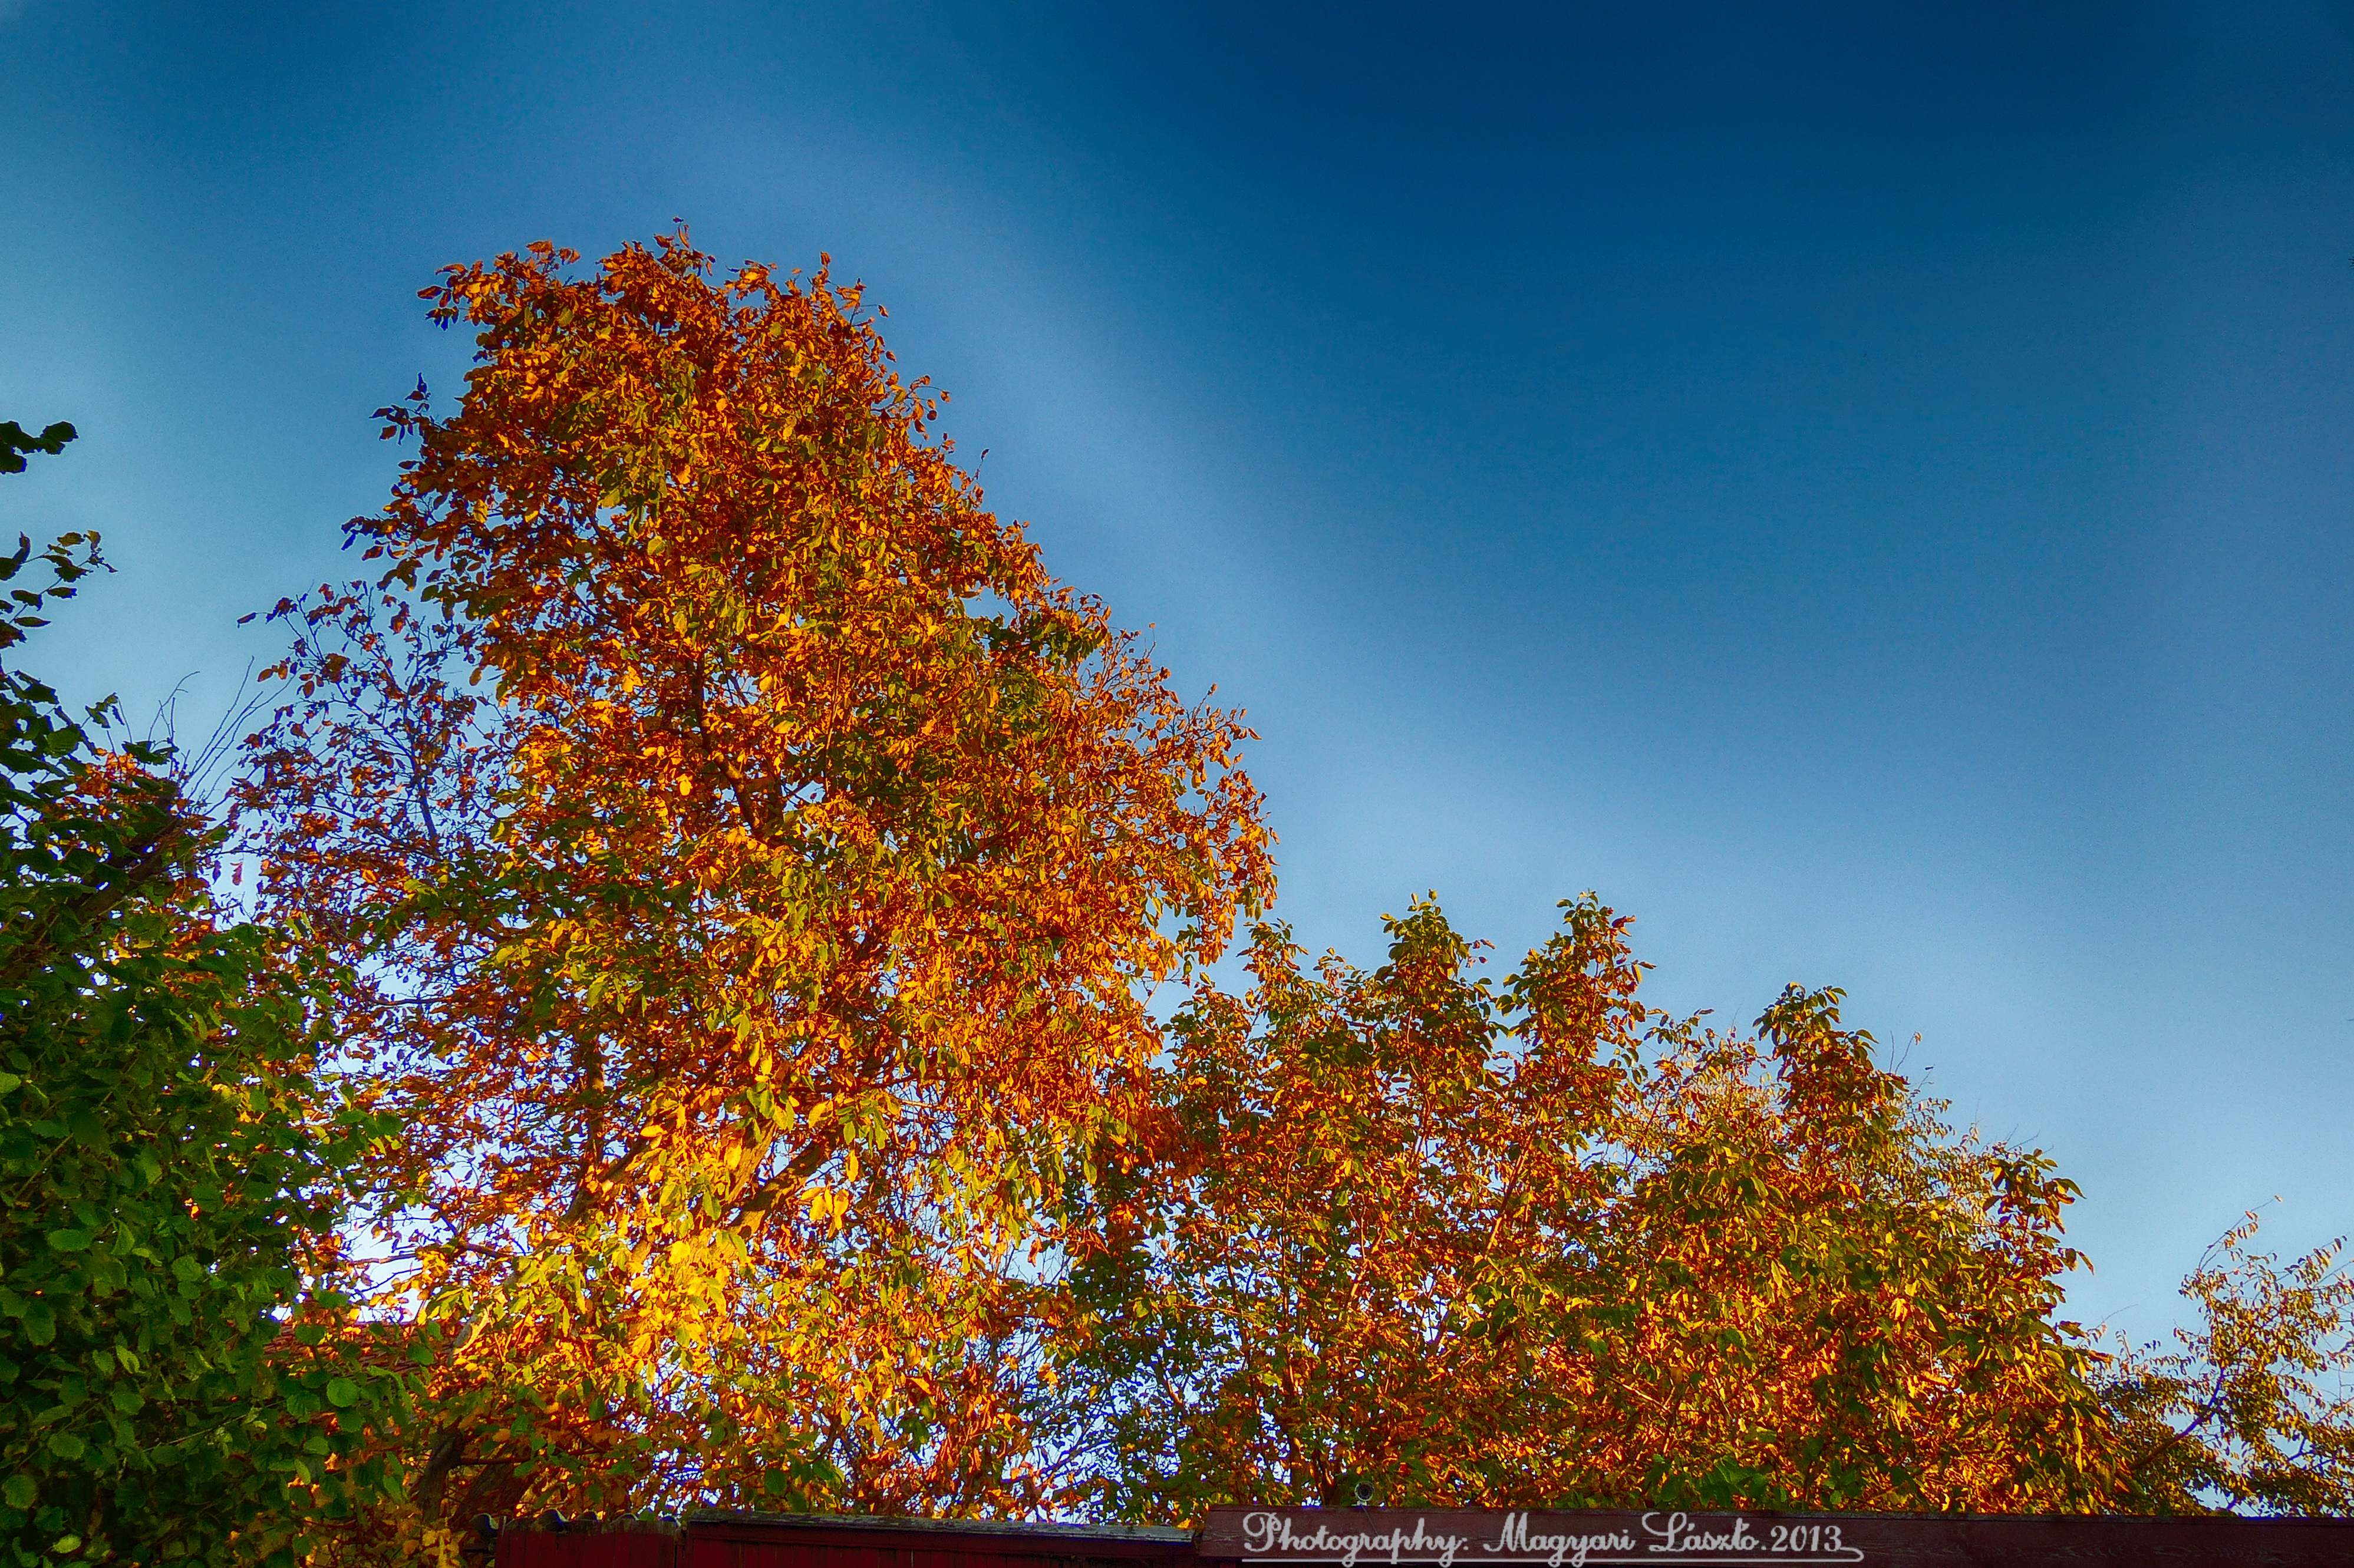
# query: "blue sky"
[[1864, 488]]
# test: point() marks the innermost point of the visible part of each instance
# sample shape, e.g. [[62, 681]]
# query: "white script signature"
[[1672, 1538]]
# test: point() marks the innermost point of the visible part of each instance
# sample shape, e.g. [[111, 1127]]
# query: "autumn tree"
[[169, 1167], [1514, 1243], [1821, 1296], [750, 866], [2249, 1408], [1366, 1199]]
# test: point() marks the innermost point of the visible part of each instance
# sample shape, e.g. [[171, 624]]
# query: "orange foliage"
[[749, 860], [1825, 1297], [748, 866], [1536, 1244]]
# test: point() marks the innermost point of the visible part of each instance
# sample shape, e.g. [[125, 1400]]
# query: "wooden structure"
[[722, 1540], [1379, 1538]]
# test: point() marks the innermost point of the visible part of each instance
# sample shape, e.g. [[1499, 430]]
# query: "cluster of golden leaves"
[[2252, 1406], [749, 865], [1536, 1244]]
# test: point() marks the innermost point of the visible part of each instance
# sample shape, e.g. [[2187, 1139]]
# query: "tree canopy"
[[1532, 1242], [750, 866], [746, 938]]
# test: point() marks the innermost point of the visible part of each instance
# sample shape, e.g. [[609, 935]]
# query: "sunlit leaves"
[[751, 863], [1531, 1243], [2250, 1408]]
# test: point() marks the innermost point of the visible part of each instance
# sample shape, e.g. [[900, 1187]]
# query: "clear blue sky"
[[1864, 488]]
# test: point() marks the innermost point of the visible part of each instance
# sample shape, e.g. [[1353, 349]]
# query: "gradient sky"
[[1867, 492]]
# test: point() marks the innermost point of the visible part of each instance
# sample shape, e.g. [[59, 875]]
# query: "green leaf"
[[19, 1491], [342, 1393], [68, 1241], [65, 1446]]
